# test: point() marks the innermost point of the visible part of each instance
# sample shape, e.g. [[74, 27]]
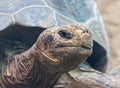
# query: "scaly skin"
[[88, 78], [56, 51]]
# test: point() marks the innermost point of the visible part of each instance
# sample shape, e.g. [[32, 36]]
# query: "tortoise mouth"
[[87, 46], [83, 47], [84, 43]]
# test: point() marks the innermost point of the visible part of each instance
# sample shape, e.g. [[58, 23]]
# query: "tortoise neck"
[[42, 77], [27, 70], [45, 75], [17, 71]]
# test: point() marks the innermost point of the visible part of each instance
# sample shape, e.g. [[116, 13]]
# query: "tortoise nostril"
[[86, 31], [65, 34]]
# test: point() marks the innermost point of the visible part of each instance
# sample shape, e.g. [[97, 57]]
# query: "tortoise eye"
[[65, 34]]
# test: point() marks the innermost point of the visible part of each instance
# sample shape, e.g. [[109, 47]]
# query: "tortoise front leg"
[[87, 79]]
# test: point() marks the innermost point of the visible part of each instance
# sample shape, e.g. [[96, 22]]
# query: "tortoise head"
[[65, 46]]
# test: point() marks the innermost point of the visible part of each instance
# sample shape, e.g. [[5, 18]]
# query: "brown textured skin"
[[87, 79], [51, 56]]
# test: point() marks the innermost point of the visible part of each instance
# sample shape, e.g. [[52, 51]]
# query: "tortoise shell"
[[48, 13]]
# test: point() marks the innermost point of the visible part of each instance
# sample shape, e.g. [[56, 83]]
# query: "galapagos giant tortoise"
[[47, 14], [50, 56]]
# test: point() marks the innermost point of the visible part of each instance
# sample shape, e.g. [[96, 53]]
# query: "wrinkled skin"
[[56, 51], [91, 78]]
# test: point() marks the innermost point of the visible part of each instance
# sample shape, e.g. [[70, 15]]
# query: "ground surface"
[[110, 10]]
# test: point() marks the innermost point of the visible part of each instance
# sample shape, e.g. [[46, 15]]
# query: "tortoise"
[[53, 54], [52, 13]]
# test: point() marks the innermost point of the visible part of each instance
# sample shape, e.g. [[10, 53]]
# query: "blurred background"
[[110, 11]]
